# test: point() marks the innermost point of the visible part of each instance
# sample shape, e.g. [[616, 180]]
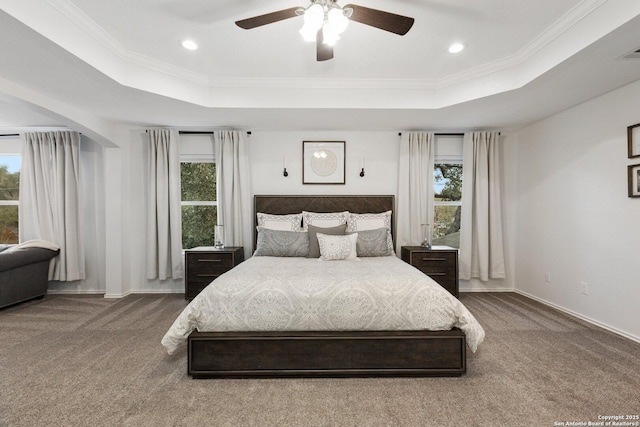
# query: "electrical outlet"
[[584, 288], [547, 277]]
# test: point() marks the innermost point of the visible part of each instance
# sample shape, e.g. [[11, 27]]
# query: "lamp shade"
[[313, 20], [334, 25]]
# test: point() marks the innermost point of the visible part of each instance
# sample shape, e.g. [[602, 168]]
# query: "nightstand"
[[204, 264], [441, 264]]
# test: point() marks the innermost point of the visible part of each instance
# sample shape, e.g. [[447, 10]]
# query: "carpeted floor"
[[88, 361]]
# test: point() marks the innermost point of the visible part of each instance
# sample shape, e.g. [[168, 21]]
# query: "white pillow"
[[280, 222], [371, 221], [323, 219], [337, 247]]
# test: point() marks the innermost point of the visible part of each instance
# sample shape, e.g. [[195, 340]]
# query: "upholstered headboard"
[[282, 205]]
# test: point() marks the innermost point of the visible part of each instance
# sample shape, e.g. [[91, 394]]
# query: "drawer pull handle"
[[436, 274], [208, 275], [434, 259], [210, 260]]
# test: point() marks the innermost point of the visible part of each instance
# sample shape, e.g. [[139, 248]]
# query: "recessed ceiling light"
[[456, 48], [189, 45]]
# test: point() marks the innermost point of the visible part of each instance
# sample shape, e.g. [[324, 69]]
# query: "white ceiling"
[[91, 62]]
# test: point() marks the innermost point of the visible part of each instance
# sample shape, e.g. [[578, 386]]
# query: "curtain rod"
[[446, 134], [441, 134], [2, 135], [196, 132]]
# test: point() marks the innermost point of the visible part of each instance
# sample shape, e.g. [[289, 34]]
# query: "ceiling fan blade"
[[268, 18], [387, 21], [324, 52]]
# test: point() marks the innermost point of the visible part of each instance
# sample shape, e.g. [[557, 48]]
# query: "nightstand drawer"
[[205, 274], [435, 261], [205, 264], [209, 260], [449, 283], [195, 288], [439, 264], [438, 275]]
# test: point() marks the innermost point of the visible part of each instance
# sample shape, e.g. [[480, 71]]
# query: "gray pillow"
[[373, 242], [314, 248], [281, 243]]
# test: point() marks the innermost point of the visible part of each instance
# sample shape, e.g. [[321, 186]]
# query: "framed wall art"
[[634, 180], [633, 140], [323, 162]]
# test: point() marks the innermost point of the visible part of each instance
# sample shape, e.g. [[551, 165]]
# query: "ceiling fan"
[[324, 21]]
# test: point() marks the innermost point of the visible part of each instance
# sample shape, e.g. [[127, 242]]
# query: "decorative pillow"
[[314, 248], [337, 247], [371, 221], [280, 222], [321, 219], [373, 243], [281, 243]]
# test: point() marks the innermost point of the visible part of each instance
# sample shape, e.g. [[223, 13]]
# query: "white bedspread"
[[304, 294]]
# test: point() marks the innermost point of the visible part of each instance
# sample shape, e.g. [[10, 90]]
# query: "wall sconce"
[[284, 172], [362, 171]]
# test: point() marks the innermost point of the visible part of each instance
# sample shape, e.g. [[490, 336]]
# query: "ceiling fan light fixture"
[[325, 20], [325, 15], [308, 33], [329, 36], [336, 20], [314, 16], [313, 21]]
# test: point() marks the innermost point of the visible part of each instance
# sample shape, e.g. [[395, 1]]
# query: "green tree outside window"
[[9, 193], [199, 206]]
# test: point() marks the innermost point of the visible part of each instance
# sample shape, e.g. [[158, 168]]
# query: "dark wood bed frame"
[[326, 353]]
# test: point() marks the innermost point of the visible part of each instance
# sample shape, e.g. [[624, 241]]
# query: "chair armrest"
[[18, 257]]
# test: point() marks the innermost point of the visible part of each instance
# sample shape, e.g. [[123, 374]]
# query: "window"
[[9, 193], [198, 201], [447, 181]]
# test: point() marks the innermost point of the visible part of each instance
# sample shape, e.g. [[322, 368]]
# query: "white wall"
[[575, 221], [380, 151]]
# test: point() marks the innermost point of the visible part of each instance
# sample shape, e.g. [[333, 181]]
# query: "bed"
[[272, 316]]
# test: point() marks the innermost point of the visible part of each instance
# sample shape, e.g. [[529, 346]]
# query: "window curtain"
[[234, 188], [164, 221], [50, 198], [481, 247], [415, 187]]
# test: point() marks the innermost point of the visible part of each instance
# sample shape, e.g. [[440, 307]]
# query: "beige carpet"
[[87, 361]]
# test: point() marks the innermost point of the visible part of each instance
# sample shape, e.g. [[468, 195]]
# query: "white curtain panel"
[[164, 221], [415, 187], [234, 188], [50, 198], [481, 244]]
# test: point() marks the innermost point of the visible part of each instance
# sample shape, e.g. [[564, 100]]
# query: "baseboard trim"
[[478, 290], [74, 292], [580, 316], [145, 291], [113, 296]]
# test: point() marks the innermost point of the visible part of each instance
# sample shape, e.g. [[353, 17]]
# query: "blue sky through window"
[[11, 161]]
